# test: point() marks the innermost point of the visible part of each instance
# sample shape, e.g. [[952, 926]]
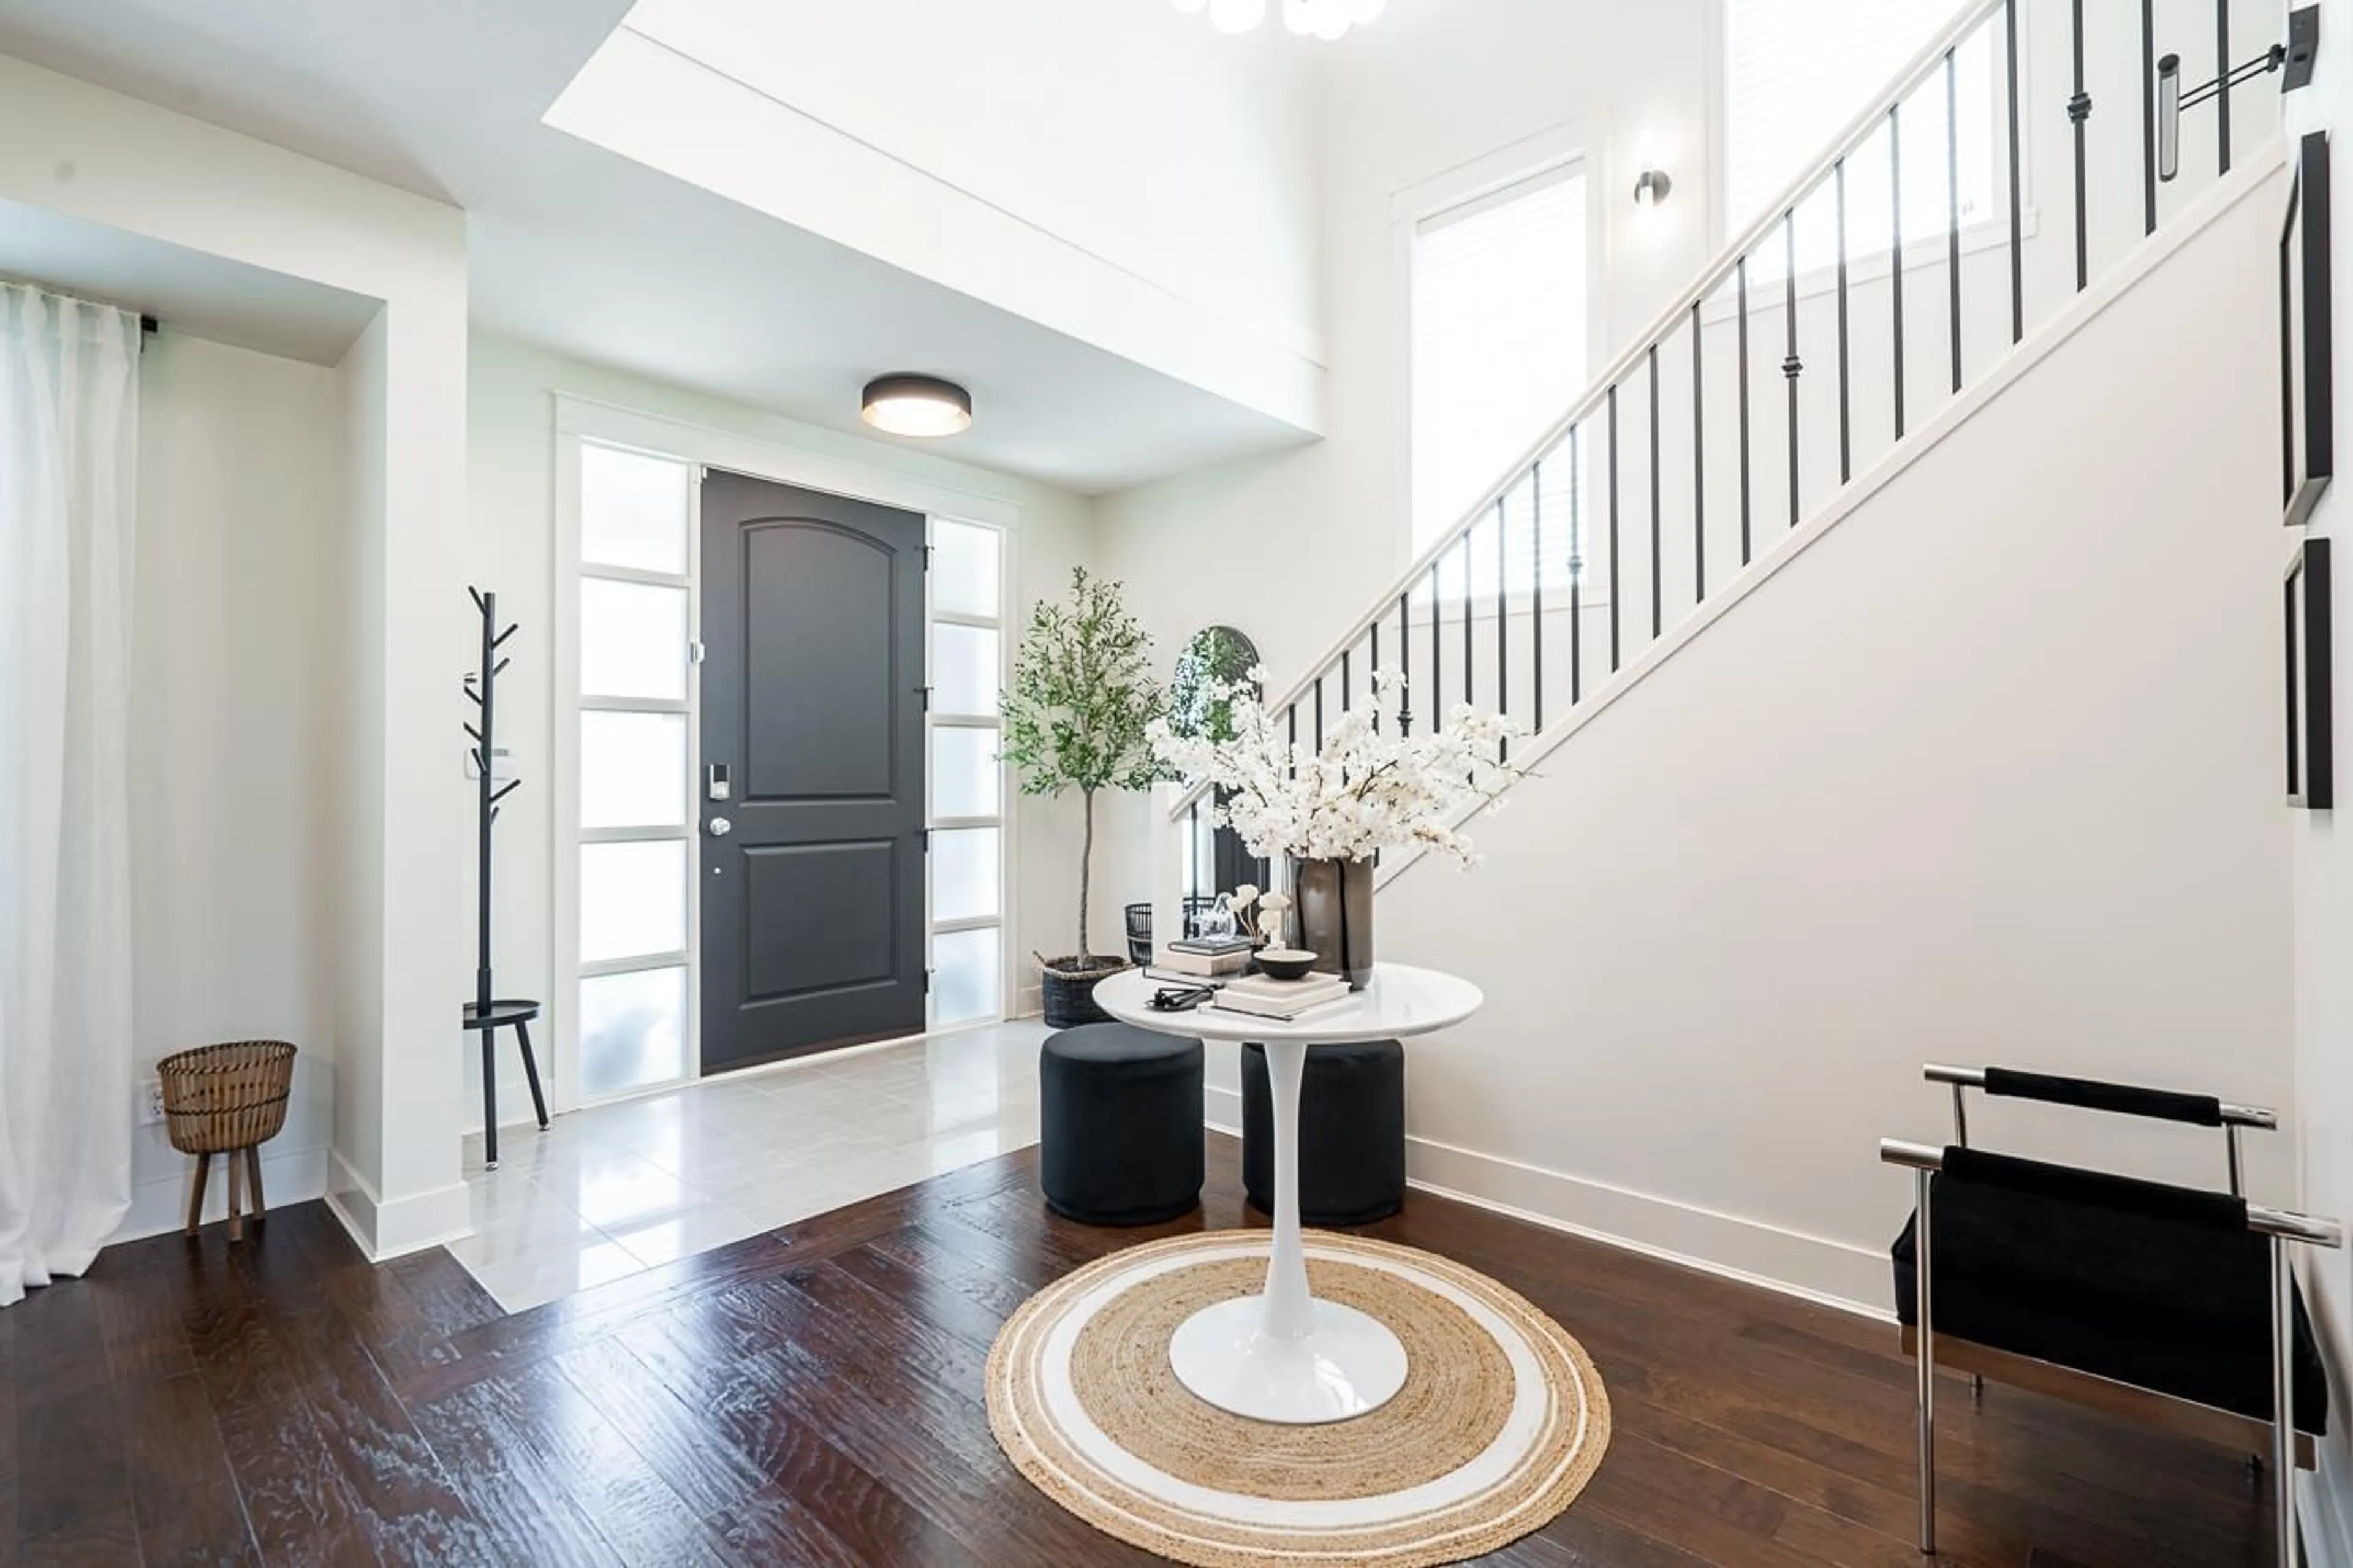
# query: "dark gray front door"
[[813, 713]]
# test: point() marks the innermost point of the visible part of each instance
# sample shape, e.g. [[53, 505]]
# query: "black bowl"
[[1285, 963]]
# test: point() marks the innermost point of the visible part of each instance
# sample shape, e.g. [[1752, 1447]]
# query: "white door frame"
[[579, 419]]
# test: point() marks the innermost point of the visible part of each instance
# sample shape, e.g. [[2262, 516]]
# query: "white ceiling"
[[584, 252], [202, 295]]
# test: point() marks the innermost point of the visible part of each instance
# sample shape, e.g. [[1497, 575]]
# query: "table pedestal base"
[[1348, 1365]]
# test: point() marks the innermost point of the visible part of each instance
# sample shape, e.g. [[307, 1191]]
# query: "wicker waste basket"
[[228, 1099]]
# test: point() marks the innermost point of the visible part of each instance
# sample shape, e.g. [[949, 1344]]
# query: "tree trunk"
[[1086, 860]]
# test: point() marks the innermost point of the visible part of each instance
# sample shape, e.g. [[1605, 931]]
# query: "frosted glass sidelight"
[[964, 570], [964, 670], [964, 874], [632, 899], [632, 769], [632, 640], [633, 511], [632, 1030], [964, 777], [964, 982]]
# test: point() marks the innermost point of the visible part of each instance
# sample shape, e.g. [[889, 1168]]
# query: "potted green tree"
[[1078, 716]]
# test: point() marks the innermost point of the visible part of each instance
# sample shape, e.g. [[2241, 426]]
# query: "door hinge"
[[927, 838], [696, 653], [927, 557], [925, 693], [701, 472], [927, 983]]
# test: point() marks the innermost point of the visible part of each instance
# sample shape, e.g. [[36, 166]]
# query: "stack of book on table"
[[1202, 960], [1263, 997]]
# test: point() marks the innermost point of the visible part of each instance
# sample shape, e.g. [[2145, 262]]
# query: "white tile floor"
[[612, 1190]]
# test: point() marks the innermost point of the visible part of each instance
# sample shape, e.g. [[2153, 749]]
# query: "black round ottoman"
[[1120, 1129], [1351, 1132]]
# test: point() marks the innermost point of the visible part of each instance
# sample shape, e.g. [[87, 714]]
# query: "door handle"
[[719, 827]]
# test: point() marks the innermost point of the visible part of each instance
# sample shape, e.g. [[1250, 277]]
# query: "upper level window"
[[1499, 340], [1797, 72]]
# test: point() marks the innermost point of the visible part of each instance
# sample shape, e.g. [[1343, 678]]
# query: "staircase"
[[1950, 236]]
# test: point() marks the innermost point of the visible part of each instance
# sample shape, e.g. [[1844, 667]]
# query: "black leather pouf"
[[1351, 1133], [1120, 1130]]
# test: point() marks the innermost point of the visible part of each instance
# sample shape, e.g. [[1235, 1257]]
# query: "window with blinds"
[[1797, 71], [1500, 300]]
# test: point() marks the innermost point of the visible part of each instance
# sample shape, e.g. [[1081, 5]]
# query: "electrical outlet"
[[150, 1103]]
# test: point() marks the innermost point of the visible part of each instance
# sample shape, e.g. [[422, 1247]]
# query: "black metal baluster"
[[1613, 529], [1846, 429], [1293, 713], [1437, 656], [1655, 600], [1896, 246], [2017, 234], [1740, 275], [1405, 663], [2149, 115], [1953, 212], [1345, 654], [1536, 583], [1372, 674], [2223, 84], [1791, 365], [1699, 469], [1503, 616], [1319, 714], [2079, 111], [1575, 566], [1192, 865], [1469, 696]]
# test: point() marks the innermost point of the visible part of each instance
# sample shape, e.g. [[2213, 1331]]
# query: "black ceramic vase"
[[1335, 910]]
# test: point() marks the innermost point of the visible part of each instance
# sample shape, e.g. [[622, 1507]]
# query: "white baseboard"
[[158, 1207], [388, 1230], [1815, 1268]]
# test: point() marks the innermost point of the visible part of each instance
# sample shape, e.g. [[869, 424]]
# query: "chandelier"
[[1323, 19]]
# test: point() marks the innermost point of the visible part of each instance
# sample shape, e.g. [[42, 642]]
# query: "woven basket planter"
[[224, 1097]]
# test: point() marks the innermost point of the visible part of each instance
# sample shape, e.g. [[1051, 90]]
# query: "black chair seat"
[[1351, 1132], [2145, 1298], [1120, 1126]]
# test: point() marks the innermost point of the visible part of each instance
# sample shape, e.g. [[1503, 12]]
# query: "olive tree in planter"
[[1076, 717]]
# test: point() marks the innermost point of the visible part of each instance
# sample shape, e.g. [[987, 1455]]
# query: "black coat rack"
[[488, 1013]]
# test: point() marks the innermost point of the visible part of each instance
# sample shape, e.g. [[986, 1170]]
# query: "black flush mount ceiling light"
[[908, 405], [1650, 187]]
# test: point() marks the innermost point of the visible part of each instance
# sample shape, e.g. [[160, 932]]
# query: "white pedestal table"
[[1283, 1355]]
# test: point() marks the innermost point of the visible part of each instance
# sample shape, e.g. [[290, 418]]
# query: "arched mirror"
[[1200, 702]]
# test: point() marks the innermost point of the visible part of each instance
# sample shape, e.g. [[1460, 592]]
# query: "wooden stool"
[[228, 1099]]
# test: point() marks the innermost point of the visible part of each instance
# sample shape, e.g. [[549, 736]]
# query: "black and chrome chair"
[[2171, 1303]]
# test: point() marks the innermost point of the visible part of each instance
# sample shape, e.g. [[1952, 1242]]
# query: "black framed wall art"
[[2311, 749], [2307, 410]]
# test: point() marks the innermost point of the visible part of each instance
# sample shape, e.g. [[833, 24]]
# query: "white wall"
[[234, 704], [2324, 876], [1988, 774], [98, 156], [1116, 171], [511, 445]]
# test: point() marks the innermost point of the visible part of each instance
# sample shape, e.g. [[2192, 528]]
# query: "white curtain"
[[69, 455]]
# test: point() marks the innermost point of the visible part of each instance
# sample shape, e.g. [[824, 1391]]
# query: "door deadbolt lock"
[[720, 828]]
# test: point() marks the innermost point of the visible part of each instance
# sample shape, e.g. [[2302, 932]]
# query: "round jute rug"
[[1501, 1422]]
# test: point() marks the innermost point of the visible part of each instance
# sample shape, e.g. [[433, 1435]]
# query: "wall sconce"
[[1651, 187]]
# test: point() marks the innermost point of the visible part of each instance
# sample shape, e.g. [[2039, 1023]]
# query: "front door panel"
[[812, 704]]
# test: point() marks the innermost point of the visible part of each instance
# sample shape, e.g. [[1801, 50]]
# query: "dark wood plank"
[[74, 1502], [813, 1395], [184, 1491]]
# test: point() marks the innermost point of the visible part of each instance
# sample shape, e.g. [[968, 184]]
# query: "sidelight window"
[[635, 853], [967, 786]]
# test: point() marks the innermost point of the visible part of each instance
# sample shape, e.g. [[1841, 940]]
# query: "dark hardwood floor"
[[814, 1396]]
